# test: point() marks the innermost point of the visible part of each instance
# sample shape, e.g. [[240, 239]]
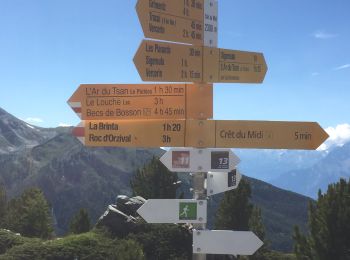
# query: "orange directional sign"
[[202, 133], [143, 101], [193, 22], [164, 61]]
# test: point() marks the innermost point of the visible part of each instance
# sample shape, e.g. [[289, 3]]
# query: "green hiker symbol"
[[188, 210], [184, 211]]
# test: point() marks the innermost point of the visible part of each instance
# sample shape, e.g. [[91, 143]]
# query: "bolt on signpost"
[[179, 116]]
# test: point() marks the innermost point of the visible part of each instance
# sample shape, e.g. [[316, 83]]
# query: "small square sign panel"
[[219, 160], [188, 210], [232, 178], [181, 159]]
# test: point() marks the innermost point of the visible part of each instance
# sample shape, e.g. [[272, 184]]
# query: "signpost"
[[143, 101], [174, 211], [193, 22], [165, 61], [202, 133], [225, 242], [218, 182], [199, 160], [175, 115]]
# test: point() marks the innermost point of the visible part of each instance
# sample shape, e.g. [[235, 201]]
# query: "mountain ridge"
[[328, 170]]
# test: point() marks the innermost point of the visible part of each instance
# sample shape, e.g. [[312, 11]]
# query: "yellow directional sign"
[[164, 61], [189, 21], [143, 101], [202, 133]]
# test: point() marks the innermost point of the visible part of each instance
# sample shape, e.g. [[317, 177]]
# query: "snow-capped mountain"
[[309, 180], [16, 134]]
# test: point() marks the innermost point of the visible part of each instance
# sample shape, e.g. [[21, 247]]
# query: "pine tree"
[[301, 245], [329, 224], [155, 181], [235, 209], [30, 215], [237, 213], [80, 223], [257, 227], [3, 204]]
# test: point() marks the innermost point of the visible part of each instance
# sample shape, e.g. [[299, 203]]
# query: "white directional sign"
[[218, 182], [174, 211], [199, 160], [225, 242]]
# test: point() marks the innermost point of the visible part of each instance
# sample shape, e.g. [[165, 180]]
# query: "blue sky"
[[48, 48]]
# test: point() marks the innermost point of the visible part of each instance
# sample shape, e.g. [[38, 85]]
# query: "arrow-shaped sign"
[[225, 242], [174, 211], [218, 182], [193, 22], [201, 133], [199, 160], [143, 101], [165, 61]]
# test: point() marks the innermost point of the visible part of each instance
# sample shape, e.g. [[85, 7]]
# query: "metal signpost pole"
[[199, 193]]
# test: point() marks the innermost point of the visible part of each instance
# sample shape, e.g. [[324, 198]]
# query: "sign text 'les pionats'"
[[187, 21], [143, 101], [165, 61], [201, 133]]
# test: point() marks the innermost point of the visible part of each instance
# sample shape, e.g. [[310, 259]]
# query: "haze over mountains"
[[304, 172], [308, 180]]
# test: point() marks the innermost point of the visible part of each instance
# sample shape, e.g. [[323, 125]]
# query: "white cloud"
[[338, 136], [345, 66], [64, 125], [34, 120], [324, 35]]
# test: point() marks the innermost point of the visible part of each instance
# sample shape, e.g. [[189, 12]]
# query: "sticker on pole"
[[181, 159], [220, 160], [199, 160], [232, 178]]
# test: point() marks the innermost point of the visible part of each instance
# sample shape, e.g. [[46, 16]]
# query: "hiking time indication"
[[143, 101], [165, 61], [201, 133], [187, 21]]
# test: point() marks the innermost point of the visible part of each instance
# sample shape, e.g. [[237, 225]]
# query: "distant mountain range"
[[17, 135], [309, 180], [267, 165], [304, 172], [73, 176]]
